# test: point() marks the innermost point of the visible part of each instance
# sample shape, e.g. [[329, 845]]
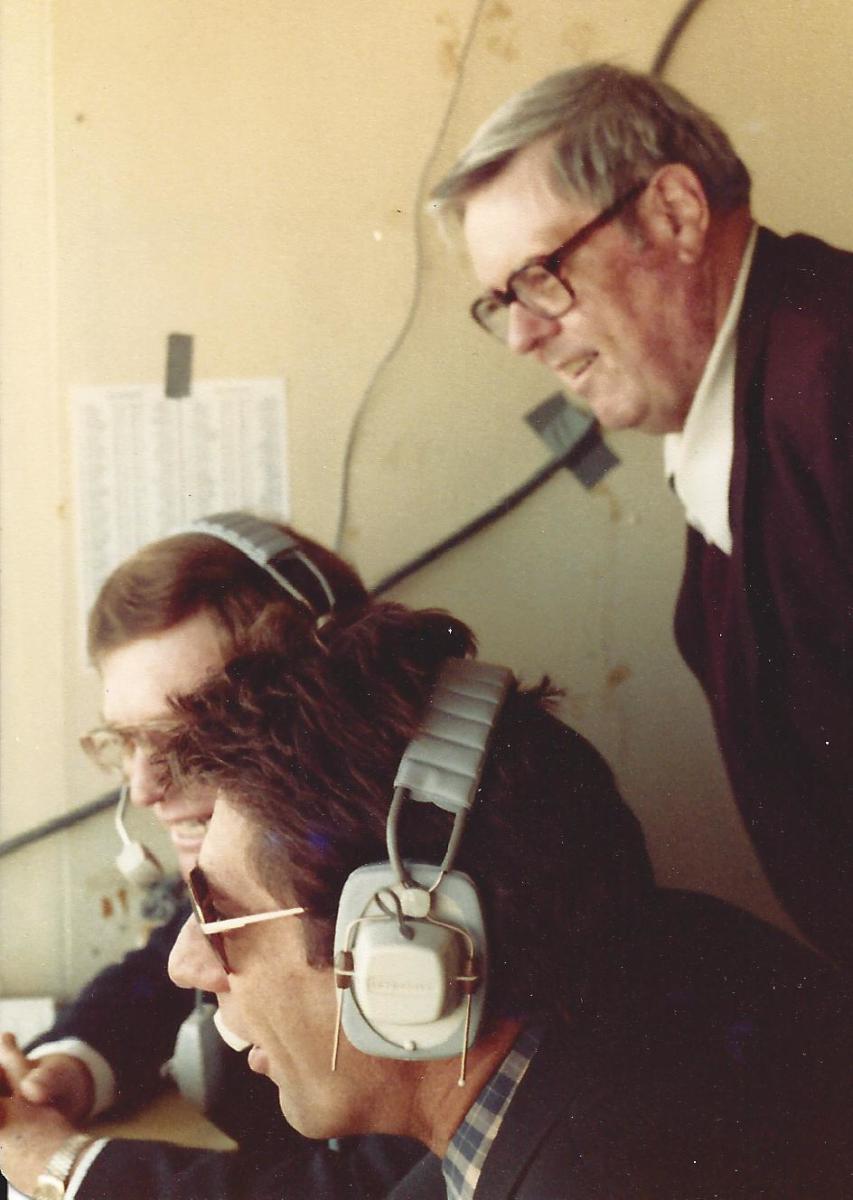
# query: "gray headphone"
[[411, 959], [261, 541]]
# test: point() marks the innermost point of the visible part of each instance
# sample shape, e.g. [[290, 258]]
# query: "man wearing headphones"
[[163, 621], [424, 907]]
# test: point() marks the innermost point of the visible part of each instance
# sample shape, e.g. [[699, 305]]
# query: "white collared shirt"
[[698, 458]]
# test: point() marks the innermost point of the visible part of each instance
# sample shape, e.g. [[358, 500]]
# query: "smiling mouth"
[[189, 832], [573, 368]]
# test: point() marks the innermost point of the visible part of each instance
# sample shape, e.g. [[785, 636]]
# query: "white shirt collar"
[[698, 458]]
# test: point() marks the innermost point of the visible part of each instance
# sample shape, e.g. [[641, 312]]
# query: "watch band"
[[50, 1184]]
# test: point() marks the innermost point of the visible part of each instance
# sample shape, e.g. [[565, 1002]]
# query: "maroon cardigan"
[[767, 631]]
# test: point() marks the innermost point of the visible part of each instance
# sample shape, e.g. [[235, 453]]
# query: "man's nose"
[[192, 963], [527, 330], [148, 782]]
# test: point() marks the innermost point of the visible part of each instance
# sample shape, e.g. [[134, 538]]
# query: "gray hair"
[[612, 128]]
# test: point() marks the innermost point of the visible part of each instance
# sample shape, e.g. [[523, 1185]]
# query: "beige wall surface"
[[253, 172]]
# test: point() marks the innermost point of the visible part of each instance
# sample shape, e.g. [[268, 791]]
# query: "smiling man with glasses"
[[165, 620], [608, 219]]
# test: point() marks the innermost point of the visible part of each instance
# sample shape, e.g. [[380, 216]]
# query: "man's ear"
[[676, 210]]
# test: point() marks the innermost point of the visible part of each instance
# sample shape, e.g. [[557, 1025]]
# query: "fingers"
[[39, 1085], [57, 1079], [62, 1081], [14, 1065]]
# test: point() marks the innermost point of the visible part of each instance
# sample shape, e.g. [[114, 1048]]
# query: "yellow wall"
[[249, 171]]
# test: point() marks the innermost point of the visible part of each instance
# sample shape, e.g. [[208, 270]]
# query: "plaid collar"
[[463, 1161]]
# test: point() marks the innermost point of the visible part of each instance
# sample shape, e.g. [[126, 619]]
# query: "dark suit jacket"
[[767, 630], [363, 1169], [708, 1060]]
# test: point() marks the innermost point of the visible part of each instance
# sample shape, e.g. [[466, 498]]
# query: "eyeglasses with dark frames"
[[538, 285], [214, 926]]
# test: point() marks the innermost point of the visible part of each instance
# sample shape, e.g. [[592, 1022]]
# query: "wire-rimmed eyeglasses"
[[110, 746], [538, 285], [214, 926]]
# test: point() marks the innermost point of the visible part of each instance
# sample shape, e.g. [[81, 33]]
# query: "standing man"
[[608, 220]]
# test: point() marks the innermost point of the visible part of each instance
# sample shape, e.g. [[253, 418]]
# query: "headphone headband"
[[262, 541], [442, 765]]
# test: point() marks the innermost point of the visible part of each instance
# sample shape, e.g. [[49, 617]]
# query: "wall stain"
[[618, 675], [449, 47], [448, 58], [503, 47], [499, 12], [503, 44], [580, 37], [615, 513], [107, 909]]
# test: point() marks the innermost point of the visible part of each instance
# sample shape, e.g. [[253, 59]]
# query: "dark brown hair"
[[171, 580], [307, 743]]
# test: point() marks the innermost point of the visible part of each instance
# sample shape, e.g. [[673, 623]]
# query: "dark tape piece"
[[179, 365], [566, 430]]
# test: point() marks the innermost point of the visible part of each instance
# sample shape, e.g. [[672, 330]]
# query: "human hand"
[[59, 1080], [29, 1135]]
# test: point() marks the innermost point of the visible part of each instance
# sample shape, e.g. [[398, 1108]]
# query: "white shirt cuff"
[[83, 1163], [101, 1071]]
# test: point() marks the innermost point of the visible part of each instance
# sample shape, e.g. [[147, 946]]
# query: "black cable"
[[673, 34], [57, 824], [500, 509]]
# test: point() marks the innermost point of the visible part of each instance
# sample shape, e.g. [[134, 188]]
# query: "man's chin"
[[309, 1116], [614, 419], [616, 416], [304, 1122]]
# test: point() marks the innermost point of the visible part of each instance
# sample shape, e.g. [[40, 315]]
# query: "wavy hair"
[[307, 744]]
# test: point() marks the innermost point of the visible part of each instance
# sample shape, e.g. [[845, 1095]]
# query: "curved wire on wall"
[[387, 357], [679, 24], [511, 501]]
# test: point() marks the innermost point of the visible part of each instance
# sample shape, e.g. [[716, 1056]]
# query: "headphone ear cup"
[[407, 977], [406, 982]]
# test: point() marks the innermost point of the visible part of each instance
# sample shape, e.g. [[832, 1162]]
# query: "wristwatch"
[[50, 1184]]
